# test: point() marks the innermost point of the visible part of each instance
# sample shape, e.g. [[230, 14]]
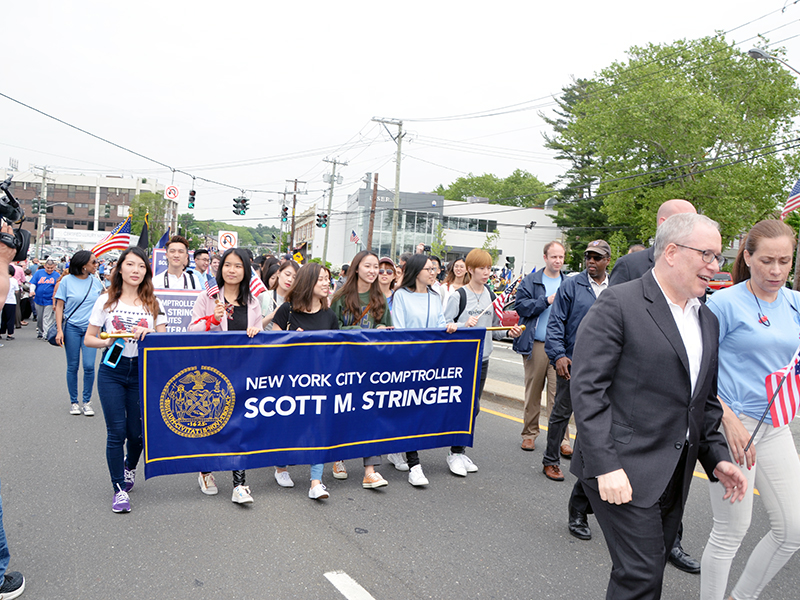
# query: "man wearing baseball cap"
[[573, 300]]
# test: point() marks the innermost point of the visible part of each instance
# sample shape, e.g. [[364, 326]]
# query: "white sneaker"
[[318, 492], [207, 484], [74, 408], [416, 476], [339, 470], [456, 464], [241, 495], [399, 461], [283, 479], [468, 464], [87, 409]]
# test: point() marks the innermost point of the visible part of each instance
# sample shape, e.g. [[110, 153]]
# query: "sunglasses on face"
[[385, 272]]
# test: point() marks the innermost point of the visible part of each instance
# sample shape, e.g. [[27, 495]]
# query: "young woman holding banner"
[[232, 309], [360, 304], [278, 287], [130, 306], [306, 309], [416, 306], [471, 306], [759, 326]]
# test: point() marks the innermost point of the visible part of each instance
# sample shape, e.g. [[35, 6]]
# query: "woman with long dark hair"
[[759, 326], [233, 309], [75, 298], [306, 309], [130, 306], [457, 277], [416, 306], [277, 291], [360, 304]]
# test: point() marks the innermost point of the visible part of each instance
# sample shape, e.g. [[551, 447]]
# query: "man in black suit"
[[644, 392], [630, 267]]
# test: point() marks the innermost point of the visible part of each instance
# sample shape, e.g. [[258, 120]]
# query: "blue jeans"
[[73, 344], [119, 395], [4, 554]]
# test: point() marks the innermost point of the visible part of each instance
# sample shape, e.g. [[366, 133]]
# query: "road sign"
[[228, 239], [172, 192]]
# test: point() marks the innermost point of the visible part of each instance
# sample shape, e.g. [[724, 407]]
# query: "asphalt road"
[[499, 533]]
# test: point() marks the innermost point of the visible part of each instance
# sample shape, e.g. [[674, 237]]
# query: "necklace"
[[762, 318]]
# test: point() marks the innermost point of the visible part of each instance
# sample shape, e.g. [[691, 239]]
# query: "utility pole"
[[530, 225], [372, 212], [399, 140], [42, 210], [294, 208], [333, 182]]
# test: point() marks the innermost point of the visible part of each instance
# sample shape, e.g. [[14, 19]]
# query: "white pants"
[[776, 475]]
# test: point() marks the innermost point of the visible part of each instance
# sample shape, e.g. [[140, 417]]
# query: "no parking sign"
[[228, 239]]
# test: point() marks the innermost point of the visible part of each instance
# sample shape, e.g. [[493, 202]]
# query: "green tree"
[[157, 207], [439, 245], [685, 120], [518, 189], [490, 245]]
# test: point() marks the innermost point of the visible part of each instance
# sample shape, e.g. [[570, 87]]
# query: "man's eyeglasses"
[[385, 272], [708, 255]]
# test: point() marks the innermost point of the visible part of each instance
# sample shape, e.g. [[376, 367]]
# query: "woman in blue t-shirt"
[[74, 298], [759, 330]]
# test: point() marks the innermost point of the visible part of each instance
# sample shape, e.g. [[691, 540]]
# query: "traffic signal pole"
[[330, 205]]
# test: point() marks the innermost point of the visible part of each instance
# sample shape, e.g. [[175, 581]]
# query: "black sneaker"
[[13, 585]]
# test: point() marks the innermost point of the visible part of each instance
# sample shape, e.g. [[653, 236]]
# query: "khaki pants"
[[537, 368]]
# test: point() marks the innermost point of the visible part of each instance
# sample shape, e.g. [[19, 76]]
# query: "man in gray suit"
[[644, 392]]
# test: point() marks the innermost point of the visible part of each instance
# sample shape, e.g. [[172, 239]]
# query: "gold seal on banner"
[[197, 402]]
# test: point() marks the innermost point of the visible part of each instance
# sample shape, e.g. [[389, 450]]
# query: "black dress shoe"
[[683, 561], [579, 525]]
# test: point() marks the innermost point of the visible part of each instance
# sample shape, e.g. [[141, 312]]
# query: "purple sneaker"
[[121, 503], [130, 479]]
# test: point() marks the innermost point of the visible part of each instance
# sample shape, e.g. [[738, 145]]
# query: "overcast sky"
[[205, 86]]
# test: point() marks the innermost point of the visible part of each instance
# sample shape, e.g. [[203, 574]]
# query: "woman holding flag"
[[759, 331], [474, 305], [229, 305]]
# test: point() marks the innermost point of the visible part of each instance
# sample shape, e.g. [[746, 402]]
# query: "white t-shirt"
[[125, 317], [13, 287]]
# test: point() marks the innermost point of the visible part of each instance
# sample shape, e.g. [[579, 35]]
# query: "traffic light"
[[245, 206], [510, 262], [285, 214], [107, 212], [191, 199], [324, 220], [35, 206], [319, 219]]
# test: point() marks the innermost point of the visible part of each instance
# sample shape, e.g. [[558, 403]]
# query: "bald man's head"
[[673, 207]]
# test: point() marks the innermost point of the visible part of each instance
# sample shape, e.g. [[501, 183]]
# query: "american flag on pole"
[[784, 408], [793, 203], [354, 238], [257, 286], [118, 239], [500, 302], [212, 289]]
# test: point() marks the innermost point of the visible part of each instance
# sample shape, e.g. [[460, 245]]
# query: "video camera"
[[12, 212]]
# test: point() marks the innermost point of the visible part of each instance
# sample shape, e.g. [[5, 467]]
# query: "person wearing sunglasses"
[[386, 274], [75, 297]]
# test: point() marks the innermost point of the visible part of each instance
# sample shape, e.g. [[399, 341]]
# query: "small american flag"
[[787, 401], [118, 239], [793, 202], [500, 302], [212, 289], [355, 239], [257, 286]]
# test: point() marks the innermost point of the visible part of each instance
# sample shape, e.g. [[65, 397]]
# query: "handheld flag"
[[501, 300], [144, 240], [118, 239], [793, 202], [211, 288], [785, 386], [162, 243], [354, 237], [257, 286]]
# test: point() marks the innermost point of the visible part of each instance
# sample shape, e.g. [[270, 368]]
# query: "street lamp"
[[530, 225], [759, 54]]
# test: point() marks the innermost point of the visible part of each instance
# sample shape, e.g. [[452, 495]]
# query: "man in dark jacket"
[[535, 295]]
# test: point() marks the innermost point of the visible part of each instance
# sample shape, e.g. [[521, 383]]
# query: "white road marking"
[[513, 362], [348, 586]]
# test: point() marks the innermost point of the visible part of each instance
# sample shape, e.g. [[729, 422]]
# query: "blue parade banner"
[[223, 401]]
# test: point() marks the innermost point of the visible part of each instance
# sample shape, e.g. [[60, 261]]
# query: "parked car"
[[718, 282]]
